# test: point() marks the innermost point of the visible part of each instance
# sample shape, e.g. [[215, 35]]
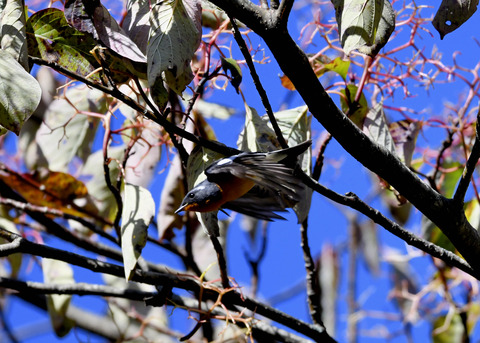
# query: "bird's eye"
[[191, 195]]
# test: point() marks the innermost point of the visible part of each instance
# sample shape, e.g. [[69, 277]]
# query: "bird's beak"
[[181, 208]]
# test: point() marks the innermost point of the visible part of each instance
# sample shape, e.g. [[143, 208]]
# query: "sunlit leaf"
[[137, 214], [51, 189], [136, 23], [13, 33], [375, 126], [369, 245], [19, 93], [448, 329], [448, 180], [452, 14], [59, 273], [363, 25], [52, 39], [338, 66], [65, 133], [209, 109], [174, 36]]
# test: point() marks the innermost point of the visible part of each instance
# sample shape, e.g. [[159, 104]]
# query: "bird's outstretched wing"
[[273, 170]]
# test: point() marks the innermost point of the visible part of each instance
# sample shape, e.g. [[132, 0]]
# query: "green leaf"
[[449, 179], [364, 25], [448, 329], [175, 34], [13, 36], [376, 127], [137, 214], [58, 273], [432, 233], [52, 39], [338, 66], [20, 93], [356, 111], [229, 64], [452, 14], [65, 133]]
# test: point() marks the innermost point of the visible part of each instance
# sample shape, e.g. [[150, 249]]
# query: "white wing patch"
[[224, 161]]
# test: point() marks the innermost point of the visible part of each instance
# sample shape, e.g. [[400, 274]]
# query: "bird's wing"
[[259, 205]]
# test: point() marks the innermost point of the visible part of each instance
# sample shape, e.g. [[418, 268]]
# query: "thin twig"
[[256, 80], [459, 195], [352, 200], [313, 284], [23, 206], [153, 115], [222, 263]]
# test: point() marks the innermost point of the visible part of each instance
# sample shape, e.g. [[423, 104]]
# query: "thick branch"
[[449, 217]]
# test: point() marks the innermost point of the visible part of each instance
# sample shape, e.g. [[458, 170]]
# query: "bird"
[[256, 184]]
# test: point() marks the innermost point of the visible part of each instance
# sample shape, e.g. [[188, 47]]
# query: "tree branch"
[[449, 217], [256, 81], [351, 200], [472, 161], [230, 299]]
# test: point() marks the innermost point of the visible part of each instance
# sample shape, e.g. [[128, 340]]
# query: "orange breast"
[[235, 188]]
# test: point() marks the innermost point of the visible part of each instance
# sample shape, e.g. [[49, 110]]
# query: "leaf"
[[20, 93], [329, 278], [58, 273], [92, 17], [403, 280], [404, 134], [338, 66], [65, 133], [256, 134], [448, 180], [13, 36], [51, 189], [364, 25], [136, 23], [96, 184], [174, 37], [448, 329], [170, 199], [375, 126], [208, 109], [15, 260], [27, 143], [356, 111], [452, 14], [229, 64], [432, 233], [50, 38], [137, 214], [321, 65], [295, 126]]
